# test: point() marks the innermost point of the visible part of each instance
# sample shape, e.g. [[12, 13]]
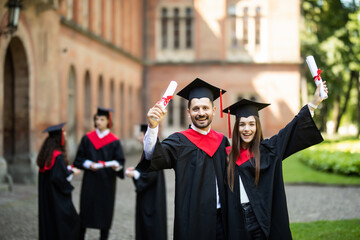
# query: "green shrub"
[[339, 157]]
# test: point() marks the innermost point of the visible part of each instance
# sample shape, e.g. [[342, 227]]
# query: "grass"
[[329, 230], [296, 172]]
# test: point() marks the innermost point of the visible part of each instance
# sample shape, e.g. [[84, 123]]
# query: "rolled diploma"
[[313, 69], [168, 93], [107, 164]]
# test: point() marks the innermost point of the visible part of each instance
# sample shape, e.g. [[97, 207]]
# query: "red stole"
[[55, 154], [244, 155], [208, 143], [100, 142]]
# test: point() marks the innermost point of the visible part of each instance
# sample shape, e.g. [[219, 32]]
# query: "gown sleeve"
[[59, 175], [164, 156], [146, 180], [81, 155], [297, 135]]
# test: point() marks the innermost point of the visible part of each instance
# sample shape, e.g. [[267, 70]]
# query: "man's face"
[[201, 112], [101, 122]]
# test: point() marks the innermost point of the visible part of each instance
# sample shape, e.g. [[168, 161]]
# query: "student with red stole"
[[97, 149], [58, 218]]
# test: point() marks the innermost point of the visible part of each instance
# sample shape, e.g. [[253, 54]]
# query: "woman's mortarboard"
[[55, 130], [199, 89], [244, 108]]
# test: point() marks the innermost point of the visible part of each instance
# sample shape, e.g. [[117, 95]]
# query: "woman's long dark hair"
[[50, 144], [235, 152]]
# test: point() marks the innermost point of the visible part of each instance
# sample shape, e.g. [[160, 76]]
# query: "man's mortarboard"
[[56, 130], [199, 89], [244, 108], [105, 112]]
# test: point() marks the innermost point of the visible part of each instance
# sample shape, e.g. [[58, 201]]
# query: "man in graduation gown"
[[198, 157], [58, 218], [96, 150], [151, 221], [268, 199]]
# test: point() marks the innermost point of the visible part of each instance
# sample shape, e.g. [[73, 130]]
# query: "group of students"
[[222, 191], [101, 158]]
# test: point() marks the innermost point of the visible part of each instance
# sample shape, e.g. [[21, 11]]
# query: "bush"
[[339, 157]]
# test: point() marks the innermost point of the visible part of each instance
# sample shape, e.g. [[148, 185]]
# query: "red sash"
[[208, 143], [100, 142], [55, 154]]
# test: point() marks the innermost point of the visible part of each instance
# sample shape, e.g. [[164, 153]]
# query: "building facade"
[[250, 48], [69, 56], [65, 59]]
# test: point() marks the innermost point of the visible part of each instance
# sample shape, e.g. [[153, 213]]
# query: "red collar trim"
[[244, 155], [55, 154], [208, 143], [101, 142]]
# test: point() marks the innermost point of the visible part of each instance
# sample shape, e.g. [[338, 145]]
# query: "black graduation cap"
[[143, 128], [199, 89], [54, 129], [244, 108], [104, 111]]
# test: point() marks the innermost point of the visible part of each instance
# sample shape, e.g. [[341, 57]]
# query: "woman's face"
[[247, 130]]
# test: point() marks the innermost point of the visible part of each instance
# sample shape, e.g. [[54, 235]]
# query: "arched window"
[[88, 121], [101, 92]]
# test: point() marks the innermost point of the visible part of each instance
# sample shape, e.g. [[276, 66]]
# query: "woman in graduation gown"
[[257, 206], [58, 218]]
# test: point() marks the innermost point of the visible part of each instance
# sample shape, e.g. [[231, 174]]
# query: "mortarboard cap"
[[103, 111], [199, 89], [55, 128], [245, 108]]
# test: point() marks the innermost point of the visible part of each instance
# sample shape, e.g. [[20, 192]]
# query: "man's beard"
[[202, 126]]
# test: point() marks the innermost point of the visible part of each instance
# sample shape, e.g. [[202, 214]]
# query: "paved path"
[[19, 210]]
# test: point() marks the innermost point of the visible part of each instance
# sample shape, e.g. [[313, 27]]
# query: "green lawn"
[[327, 230], [297, 172]]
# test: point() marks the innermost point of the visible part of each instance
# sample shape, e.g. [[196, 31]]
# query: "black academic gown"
[[98, 187], [58, 218], [151, 222], [268, 199], [197, 163]]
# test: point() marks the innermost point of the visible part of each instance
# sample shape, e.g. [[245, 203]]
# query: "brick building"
[[69, 56]]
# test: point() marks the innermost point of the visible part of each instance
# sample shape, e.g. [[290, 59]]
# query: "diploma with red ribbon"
[[315, 72], [105, 164], [168, 95]]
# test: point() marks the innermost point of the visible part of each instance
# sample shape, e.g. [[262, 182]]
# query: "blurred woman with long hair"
[[58, 218]]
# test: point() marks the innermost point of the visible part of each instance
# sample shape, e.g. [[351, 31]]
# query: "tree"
[[329, 33]]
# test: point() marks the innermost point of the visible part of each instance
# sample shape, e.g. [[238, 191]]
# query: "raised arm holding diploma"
[[315, 72]]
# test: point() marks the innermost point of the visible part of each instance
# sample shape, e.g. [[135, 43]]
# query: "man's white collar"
[[103, 133], [199, 130]]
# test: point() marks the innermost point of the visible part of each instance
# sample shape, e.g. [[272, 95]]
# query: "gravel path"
[[19, 210]]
